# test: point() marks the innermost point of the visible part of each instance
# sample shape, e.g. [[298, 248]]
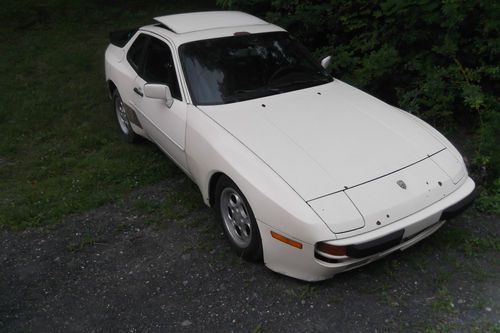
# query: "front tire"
[[237, 220], [122, 119]]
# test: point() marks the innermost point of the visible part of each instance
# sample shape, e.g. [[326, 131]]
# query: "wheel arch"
[[111, 88], [212, 184]]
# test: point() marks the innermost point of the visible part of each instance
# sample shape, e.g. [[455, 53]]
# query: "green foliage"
[[489, 200], [437, 59]]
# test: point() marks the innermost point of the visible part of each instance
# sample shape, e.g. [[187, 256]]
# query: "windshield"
[[237, 68]]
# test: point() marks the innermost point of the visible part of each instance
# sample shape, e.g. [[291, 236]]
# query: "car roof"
[[182, 28], [190, 22]]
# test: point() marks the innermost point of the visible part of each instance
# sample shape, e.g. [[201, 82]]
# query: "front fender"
[[211, 149], [436, 134]]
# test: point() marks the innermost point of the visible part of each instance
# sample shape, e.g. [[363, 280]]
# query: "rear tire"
[[237, 220], [122, 119]]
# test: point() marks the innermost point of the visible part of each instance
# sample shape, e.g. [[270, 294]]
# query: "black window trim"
[[140, 71]]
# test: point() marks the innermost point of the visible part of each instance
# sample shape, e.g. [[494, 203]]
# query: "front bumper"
[[305, 264], [459, 207]]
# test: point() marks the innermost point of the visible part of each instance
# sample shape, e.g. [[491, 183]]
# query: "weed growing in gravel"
[[483, 326], [479, 326], [443, 301], [86, 240], [257, 329], [443, 277], [301, 292], [122, 227], [454, 237], [154, 221], [183, 201], [146, 206], [389, 299], [441, 327], [175, 205], [481, 273], [474, 246]]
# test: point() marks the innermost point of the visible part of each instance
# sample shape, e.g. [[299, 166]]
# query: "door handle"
[[138, 92]]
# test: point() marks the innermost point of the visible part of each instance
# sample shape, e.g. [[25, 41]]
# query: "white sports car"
[[310, 174]]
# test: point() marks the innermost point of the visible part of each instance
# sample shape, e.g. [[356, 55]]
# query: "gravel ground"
[[112, 269]]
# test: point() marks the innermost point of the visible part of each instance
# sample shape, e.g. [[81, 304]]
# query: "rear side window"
[[159, 67], [135, 52], [120, 38]]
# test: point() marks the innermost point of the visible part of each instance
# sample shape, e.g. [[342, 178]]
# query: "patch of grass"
[[147, 206], [172, 212], [225, 256], [257, 329], [489, 199], [182, 201], [476, 246], [480, 303], [454, 237], [385, 267], [59, 135], [483, 326], [479, 326], [389, 299], [443, 301], [122, 227], [443, 277], [391, 266], [301, 292], [448, 237], [482, 273], [441, 327], [86, 240], [188, 197], [154, 221]]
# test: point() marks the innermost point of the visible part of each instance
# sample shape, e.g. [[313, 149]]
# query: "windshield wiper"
[[257, 90], [300, 82]]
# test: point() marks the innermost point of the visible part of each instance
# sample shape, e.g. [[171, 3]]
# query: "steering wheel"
[[279, 72]]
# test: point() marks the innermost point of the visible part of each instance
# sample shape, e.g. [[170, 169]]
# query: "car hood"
[[326, 138]]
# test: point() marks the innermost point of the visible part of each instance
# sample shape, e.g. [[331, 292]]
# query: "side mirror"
[[326, 62], [159, 91]]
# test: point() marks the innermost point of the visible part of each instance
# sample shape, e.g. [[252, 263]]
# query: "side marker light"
[[286, 240]]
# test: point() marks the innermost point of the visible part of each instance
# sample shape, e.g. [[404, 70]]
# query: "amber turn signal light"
[[332, 249], [286, 240]]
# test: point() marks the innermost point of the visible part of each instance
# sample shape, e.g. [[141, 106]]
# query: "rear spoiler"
[[120, 38]]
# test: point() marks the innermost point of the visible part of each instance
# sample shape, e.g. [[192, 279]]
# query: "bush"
[[436, 59]]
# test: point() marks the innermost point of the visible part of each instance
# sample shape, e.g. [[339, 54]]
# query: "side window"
[[159, 67], [135, 52]]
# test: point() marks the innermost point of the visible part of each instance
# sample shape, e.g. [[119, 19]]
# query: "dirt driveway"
[[125, 267]]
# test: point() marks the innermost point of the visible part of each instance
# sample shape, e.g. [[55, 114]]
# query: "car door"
[[130, 70], [166, 126]]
